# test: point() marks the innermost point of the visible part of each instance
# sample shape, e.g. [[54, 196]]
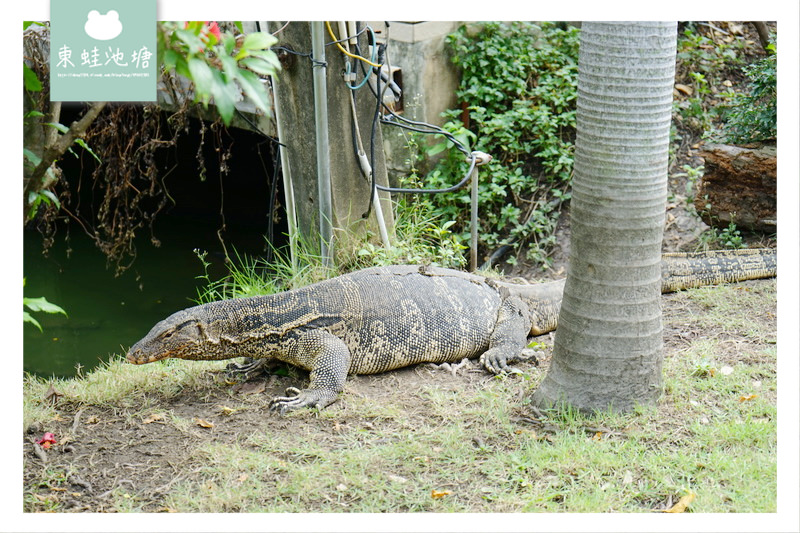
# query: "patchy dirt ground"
[[103, 450]]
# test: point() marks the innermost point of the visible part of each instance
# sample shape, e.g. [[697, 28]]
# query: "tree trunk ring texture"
[[608, 346]]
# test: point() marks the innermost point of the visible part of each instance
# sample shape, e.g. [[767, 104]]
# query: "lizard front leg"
[[509, 338], [328, 358]]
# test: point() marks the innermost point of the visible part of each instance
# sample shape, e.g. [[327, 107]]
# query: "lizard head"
[[181, 335]]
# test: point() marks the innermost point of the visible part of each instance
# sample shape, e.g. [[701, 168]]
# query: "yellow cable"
[[345, 52]]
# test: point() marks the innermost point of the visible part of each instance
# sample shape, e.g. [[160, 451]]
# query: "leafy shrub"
[[518, 86], [706, 65], [753, 115]]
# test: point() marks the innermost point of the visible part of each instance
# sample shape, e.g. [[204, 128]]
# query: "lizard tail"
[[687, 270]]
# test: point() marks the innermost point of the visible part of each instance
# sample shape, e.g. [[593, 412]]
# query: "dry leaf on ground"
[[203, 423], [682, 504]]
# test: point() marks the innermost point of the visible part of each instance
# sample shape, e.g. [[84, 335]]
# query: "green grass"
[[636, 463], [115, 384], [732, 308]]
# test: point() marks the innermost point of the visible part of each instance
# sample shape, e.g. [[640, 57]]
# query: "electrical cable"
[[472, 162], [345, 52], [345, 39], [276, 169], [420, 127], [257, 128], [276, 32], [432, 129], [374, 56], [437, 131], [378, 54], [309, 55]]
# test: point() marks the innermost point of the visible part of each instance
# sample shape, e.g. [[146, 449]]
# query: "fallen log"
[[739, 186]]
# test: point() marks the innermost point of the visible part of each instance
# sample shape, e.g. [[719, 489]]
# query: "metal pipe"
[[473, 222], [478, 159], [323, 146], [376, 203], [288, 185]]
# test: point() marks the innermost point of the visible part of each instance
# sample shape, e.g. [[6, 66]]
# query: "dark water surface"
[[106, 313]]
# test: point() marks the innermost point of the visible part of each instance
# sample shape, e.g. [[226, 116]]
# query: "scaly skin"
[[384, 318]]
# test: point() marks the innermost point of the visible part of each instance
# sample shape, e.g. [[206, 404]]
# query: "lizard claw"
[[495, 361], [297, 399]]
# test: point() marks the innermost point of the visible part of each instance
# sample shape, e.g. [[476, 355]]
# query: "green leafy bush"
[[518, 86], [753, 115]]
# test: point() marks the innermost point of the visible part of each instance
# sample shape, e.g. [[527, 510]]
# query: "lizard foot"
[[495, 361], [297, 399], [451, 367]]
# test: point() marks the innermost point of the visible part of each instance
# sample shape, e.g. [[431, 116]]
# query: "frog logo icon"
[[102, 27]]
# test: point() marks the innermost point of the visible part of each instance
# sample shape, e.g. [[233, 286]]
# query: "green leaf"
[[258, 41], [26, 317], [82, 143], [259, 66], [228, 43], [182, 68], [51, 195], [57, 125], [254, 89], [229, 67], [42, 305], [267, 55], [437, 148], [203, 78], [192, 42], [30, 78], [224, 96], [30, 156], [171, 59]]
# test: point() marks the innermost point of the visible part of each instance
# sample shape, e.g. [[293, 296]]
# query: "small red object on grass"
[[47, 440]]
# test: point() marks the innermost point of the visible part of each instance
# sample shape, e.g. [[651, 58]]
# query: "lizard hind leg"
[[328, 358], [509, 338]]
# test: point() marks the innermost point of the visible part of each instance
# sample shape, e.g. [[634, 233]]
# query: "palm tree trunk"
[[608, 346]]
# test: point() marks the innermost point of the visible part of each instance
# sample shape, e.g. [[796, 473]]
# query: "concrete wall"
[[429, 81], [351, 192], [421, 64]]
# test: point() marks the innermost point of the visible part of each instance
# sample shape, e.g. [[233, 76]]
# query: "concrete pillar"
[[350, 191]]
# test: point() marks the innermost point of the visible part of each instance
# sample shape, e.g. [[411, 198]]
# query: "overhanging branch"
[[52, 152]]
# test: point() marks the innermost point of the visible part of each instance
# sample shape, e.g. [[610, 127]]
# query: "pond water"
[[107, 314]]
